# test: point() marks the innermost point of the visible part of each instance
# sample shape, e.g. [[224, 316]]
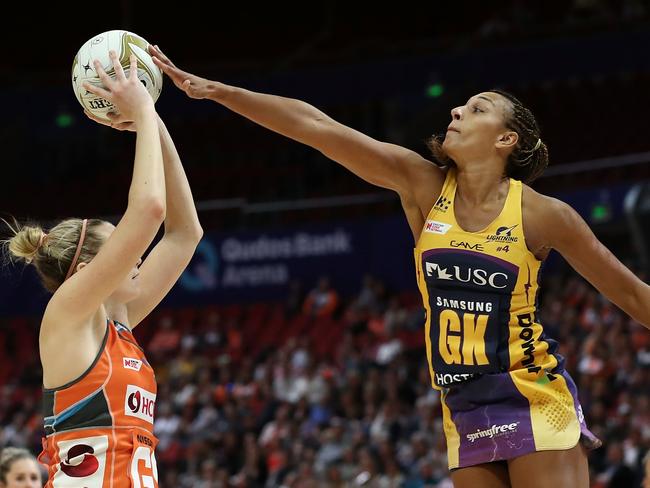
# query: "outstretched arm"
[[570, 235], [379, 163]]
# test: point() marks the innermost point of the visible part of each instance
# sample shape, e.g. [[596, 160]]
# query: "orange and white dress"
[[99, 427]]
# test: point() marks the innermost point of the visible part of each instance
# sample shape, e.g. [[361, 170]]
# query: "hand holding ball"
[[98, 47]]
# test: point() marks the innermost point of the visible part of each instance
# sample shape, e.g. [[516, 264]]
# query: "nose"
[[139, 263], [456, 113]]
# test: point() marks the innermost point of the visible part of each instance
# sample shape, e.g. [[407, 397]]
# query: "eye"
[[476, 108]]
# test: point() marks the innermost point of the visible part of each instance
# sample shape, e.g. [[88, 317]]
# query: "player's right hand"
[[194, 86], [126, 93]]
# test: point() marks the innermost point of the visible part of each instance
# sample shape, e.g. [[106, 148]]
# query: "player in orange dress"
[[99, 389]]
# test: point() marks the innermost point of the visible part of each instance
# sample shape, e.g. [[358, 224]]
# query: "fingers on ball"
[[133, 71]]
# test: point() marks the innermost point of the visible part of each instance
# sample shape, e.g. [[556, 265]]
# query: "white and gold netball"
[[124, 43]]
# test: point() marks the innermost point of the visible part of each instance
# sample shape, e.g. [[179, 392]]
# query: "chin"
[[449, 151], [447, 145]]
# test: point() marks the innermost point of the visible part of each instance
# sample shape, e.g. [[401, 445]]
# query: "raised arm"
[[379, 163], [81, 296], [565, 231], [172, 254]]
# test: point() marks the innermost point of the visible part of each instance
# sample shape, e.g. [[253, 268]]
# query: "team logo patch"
[[80, 461], [83, 462], [442, 204], [503, 234], [464, 274], [139, 403], [131, 363], [436, 227]]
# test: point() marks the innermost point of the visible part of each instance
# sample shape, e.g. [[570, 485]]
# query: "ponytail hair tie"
[[84, 225], [42, 241]]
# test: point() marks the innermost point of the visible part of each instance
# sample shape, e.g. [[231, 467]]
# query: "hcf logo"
[[476, 276], [139, 403]]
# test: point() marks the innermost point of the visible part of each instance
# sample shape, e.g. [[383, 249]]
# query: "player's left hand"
[[116, 121], [194, 86]]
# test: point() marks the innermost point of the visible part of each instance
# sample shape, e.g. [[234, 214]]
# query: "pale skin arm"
[[561, 228], [81, 296], [167, 260], [415, 179]]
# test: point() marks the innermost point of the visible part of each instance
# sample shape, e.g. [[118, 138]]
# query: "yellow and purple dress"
[[505, 391]]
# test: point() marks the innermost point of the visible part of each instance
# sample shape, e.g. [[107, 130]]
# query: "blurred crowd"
[[232, 412]]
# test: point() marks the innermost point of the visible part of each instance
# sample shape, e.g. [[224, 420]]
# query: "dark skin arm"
[[552, 224], [417, 180], [549, 223]]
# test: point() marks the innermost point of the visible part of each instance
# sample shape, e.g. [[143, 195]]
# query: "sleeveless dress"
[[99, 427], [504, 389]]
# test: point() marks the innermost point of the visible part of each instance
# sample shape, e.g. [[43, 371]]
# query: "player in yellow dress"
[[511, 411]]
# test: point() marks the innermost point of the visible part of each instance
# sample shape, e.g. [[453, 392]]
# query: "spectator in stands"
[[211, 333], [369, 298], [617, 474], [278, 429], [166, 338], [332, 446], [388, 349], [209, 475], [395, 316], [322, 301], [345, 406]]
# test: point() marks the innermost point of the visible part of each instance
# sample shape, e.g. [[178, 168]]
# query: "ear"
[[507, 140], [80, 266]]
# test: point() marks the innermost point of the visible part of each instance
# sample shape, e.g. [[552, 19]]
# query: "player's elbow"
[[317, 130], [153, 208], [196, 234]]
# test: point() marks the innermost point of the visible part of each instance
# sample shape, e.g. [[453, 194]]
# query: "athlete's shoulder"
[[546, 220], [425, 168], [427, 181], [540, 206]]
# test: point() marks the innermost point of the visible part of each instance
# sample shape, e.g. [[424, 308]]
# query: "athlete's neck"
[[478, 184]]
